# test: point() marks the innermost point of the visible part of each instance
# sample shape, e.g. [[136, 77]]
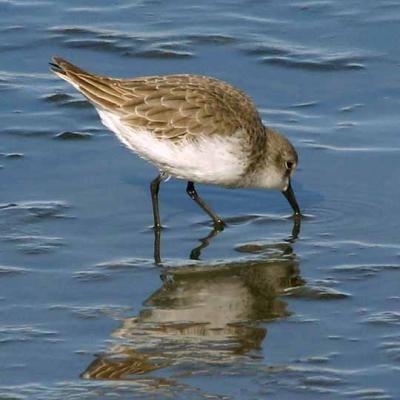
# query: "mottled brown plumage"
[[172, 106]]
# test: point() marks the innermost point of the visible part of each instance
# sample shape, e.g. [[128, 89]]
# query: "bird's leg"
[[157, 240], [191, 191], [154, 188]]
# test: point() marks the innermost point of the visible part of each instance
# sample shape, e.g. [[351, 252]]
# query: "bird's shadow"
[[195, 253]]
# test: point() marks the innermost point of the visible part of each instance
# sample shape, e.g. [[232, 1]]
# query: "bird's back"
[[171, 106]]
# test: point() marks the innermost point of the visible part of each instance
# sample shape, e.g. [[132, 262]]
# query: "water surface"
[[248, 313]]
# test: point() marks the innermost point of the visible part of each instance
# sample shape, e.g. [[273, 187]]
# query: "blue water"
[[85, 312]]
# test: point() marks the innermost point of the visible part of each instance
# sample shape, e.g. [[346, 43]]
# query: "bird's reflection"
[[204, 314], [196, 252]]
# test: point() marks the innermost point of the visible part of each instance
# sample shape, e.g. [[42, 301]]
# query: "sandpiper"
[[191, 127]]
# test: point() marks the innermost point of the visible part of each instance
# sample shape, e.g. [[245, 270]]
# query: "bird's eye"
[[289, 165]]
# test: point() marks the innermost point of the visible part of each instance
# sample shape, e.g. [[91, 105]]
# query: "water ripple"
[[391, 347], [128, 264], [34, 244], [23, 333], [37, 209], [315, 293], [66, 100], [298, 56], [91, 276], [179, 45], [6, 270], [27, 132], [143, 388], [361, 271], [391, 318], [92, 312], [12, 156], [126, 44], [372, 149], [369, 394], [73, 135]]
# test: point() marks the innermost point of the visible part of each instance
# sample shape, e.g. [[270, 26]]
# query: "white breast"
[[210, 159]]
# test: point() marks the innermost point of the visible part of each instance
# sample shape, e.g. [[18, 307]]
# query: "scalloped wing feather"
[[171, 107]]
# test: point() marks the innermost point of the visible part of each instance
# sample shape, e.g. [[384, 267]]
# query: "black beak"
[[288, 193]]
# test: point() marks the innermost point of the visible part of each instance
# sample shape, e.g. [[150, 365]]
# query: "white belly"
[[213, 159]]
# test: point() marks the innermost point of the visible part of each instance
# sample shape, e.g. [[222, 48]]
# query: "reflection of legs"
[[295, 229], [154, 188], [191, 191], [195, 253]]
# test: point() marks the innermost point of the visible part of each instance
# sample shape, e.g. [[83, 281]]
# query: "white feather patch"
[[210, 159]]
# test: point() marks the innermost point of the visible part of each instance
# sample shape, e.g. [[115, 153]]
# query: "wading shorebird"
[[190, 127]]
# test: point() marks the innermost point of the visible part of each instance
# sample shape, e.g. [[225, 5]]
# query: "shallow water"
[[85, 312]]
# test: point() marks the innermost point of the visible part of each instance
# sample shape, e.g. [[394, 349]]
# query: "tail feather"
[[99, 90], [59, 65]]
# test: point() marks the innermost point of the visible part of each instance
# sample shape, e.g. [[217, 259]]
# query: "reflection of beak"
[[289, 194]]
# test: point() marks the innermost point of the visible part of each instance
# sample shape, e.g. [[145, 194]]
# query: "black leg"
[[157, 240], [154, 188], [191, 191]]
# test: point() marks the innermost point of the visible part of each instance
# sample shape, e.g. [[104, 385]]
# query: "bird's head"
[[280, 163]]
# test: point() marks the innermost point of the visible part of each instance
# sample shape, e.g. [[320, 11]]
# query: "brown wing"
[[172, 106]]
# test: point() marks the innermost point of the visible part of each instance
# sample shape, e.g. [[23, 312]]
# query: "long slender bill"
[[289, 194]]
